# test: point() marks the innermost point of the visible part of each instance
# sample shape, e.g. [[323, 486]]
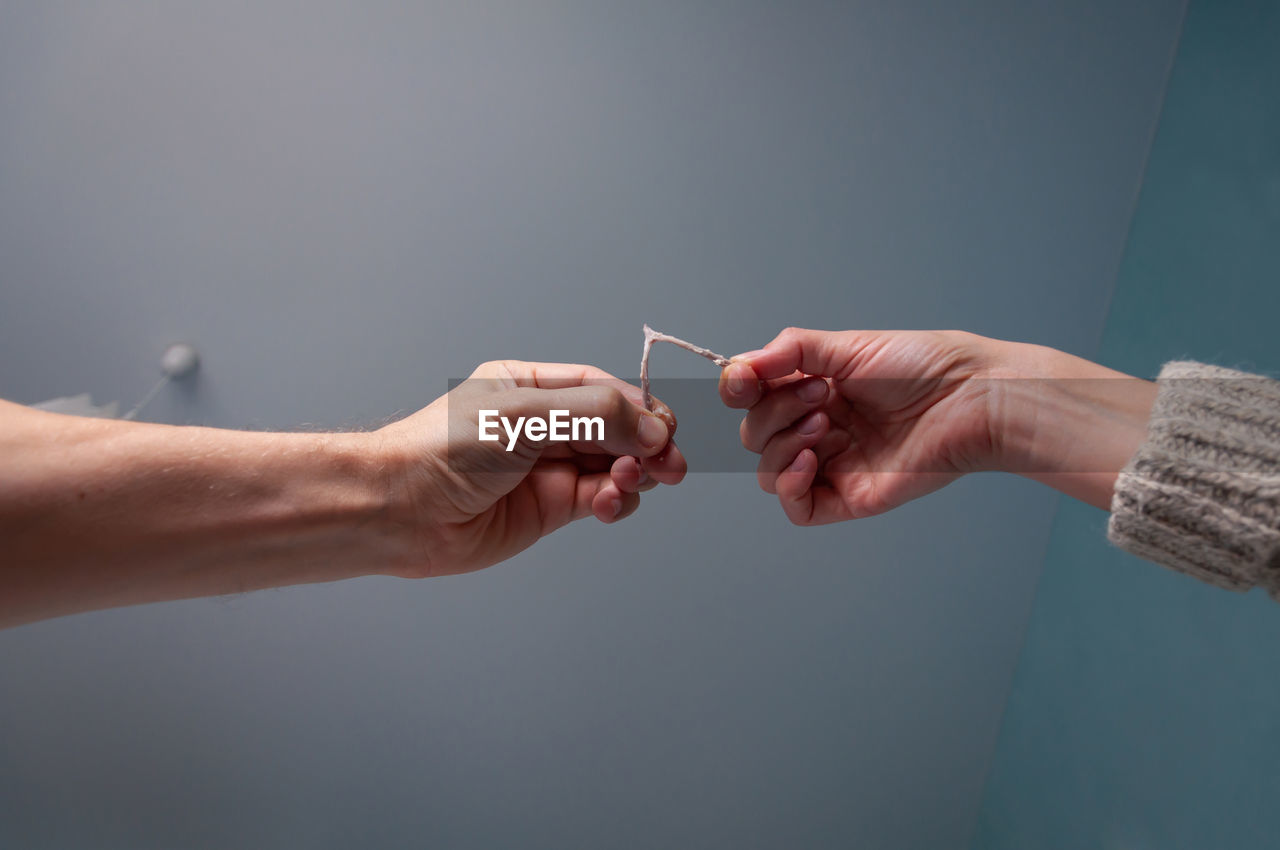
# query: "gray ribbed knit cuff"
[[1202, 494]]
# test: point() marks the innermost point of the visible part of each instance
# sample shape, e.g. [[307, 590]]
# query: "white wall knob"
[[179, 360]]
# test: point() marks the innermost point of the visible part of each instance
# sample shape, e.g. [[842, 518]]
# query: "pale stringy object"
[[650, 337]]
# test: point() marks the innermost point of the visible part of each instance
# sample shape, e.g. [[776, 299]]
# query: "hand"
[[471, 504], [854, 423]]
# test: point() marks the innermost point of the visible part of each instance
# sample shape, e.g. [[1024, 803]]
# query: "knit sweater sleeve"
[[1202, 493]]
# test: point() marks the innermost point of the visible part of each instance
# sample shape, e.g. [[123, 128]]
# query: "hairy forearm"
[[1065, 421], [100, 513]]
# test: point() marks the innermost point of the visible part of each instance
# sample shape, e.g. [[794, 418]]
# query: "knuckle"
[[499, 369], [616, 403], [767, 476], [487, 369], [605, 401]]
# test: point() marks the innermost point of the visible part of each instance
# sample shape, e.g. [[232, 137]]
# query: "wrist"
[[1065, 421], [390, 512], [317, 507]]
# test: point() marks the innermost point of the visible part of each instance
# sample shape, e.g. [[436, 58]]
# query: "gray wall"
[[343, 207]]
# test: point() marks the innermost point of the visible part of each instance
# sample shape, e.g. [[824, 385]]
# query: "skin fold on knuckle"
[[790, 336], [615, 406], [760, 428], [767, 476], [795, 512]]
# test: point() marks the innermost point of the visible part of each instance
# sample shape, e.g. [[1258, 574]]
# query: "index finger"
[[831, 354], [554, 376]]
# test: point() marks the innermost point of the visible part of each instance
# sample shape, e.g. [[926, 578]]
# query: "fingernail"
[[615, 507], [644, 476], [653, 431], [736, 383], [810, 424], [812, 390], [798, 464]]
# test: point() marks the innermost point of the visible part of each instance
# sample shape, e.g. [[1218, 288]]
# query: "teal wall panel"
[[1145, 711]]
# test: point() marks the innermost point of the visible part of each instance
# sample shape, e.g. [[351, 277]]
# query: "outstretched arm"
[[99, 513], [854, 423], [96, 513]]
